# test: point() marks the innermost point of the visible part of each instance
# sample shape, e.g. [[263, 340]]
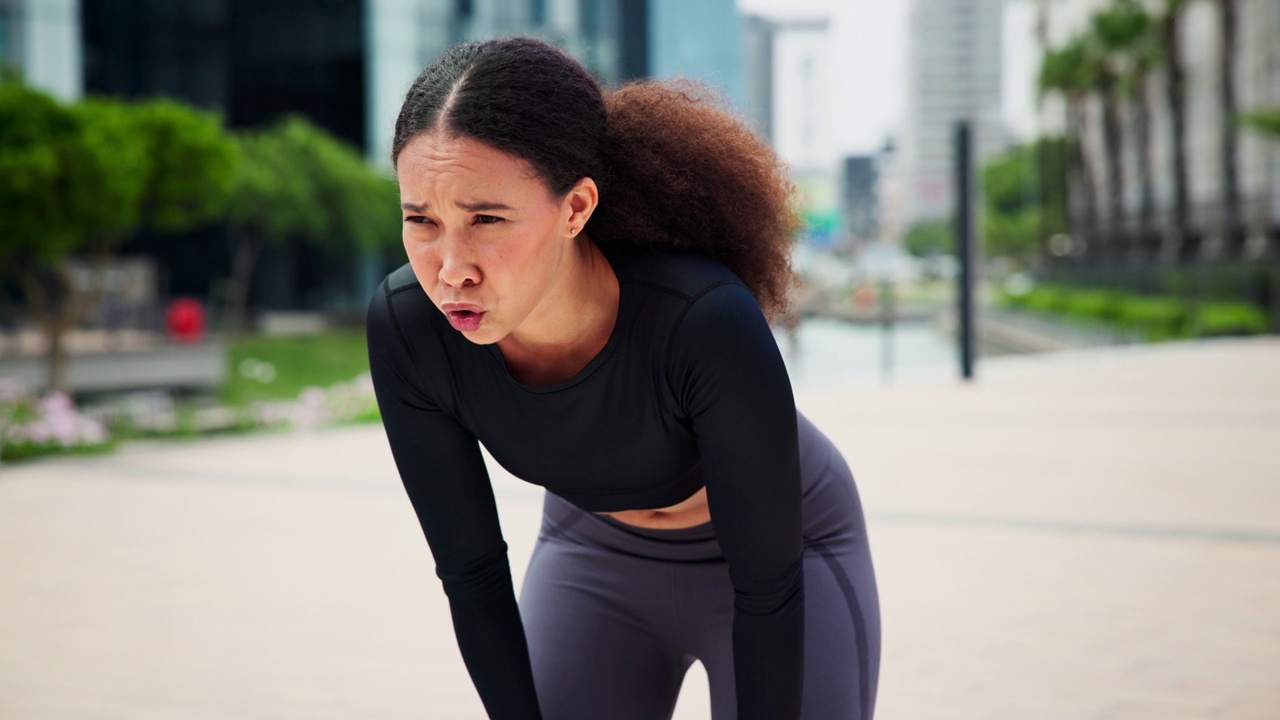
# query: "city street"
[[1089, 534]]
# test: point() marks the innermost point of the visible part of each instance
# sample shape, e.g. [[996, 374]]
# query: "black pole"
[[964, 242]]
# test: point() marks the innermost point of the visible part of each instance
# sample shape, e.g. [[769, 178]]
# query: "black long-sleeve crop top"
[[689, 391]]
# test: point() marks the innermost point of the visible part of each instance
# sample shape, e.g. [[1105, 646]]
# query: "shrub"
[[1229, 318], [1093, 304], [1158, 318], [31, 426], [1046, 298]]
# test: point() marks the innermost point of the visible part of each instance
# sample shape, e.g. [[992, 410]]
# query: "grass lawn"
[[274, 368]]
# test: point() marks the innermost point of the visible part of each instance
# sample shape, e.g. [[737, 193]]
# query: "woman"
[[586, 295]]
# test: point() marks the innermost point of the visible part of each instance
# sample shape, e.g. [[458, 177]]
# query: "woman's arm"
[[730, 378], [446, 480]]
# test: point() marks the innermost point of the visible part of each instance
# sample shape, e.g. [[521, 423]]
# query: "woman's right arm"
[[446, 480]]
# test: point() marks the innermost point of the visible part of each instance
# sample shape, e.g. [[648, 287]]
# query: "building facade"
[[344, 64], [954, 73], [698, 39], [40, 40], [1257, 86], [859, 199]]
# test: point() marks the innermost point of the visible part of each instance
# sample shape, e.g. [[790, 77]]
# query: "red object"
[[865, 295], [185, 320]]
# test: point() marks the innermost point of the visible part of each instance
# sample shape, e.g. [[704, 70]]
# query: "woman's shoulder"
[[692, 297], [681, 273], [402, 297], [399, 281], [401, 313]]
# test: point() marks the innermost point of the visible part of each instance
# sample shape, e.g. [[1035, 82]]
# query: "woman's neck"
[[575, 326]]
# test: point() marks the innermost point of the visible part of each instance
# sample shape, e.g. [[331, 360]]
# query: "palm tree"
[[1126, 53], [1146, 55], [1267, 122], [1068, 72], [1183, 245], [1233, 233]]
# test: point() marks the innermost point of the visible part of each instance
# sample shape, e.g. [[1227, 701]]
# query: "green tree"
[[1069, 72], [38, 137], [361, 205], [298, 181], [1024, 193], [193, 161], [1232, 226], [931, 238], [1051, 156], [73, 179], [80, 179], [1117, 34], [272, 199], [1267, 122], [1144, 55], [1175, 94]]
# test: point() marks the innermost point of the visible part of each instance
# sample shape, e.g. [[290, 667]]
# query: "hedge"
[[1157, 317]]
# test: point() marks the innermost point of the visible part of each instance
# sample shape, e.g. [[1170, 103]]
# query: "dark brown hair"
[[674, 168]]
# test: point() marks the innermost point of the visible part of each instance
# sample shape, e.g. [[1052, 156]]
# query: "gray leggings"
[[616, 614]]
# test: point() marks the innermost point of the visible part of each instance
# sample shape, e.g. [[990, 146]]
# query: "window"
[[10, 35]]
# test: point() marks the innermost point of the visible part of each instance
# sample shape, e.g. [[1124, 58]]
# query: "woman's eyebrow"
[[483, 206], [469, 207]]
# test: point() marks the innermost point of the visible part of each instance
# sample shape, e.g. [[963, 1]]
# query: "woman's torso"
[[616, 437]]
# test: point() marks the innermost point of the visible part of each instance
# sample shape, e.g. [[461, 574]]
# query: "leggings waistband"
[[564, 520]]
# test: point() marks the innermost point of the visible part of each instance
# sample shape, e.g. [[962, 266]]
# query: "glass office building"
[[345, 64]]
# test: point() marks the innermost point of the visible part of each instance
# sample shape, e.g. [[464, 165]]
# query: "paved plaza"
[[1090, 534]]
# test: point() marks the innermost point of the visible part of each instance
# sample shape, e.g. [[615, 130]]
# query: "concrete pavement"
[[1092, 534]]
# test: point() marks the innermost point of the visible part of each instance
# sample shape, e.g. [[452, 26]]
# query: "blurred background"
[[198, 513], [185, 181]]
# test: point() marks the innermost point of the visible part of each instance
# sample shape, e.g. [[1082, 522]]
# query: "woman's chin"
[[482, 335]]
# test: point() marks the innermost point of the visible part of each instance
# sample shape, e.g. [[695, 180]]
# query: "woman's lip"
[[464, 320], [460, 307]]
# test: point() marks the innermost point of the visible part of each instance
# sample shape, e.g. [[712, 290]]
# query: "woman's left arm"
[[729, 376]]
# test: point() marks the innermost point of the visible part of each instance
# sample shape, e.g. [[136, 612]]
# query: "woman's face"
[[486, 239]]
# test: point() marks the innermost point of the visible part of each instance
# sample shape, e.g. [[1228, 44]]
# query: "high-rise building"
[[859, 201], [618, 40], [698, 39], [346, 65], [954, 73], [40, 39], [758, 34], [802, 124], [401, 37]]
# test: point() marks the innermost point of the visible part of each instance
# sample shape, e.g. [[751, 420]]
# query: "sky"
[[869, 49]]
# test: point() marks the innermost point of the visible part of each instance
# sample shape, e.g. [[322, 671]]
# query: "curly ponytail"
[[674, 169], [685, 173]]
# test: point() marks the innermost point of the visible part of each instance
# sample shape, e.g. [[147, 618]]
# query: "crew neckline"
[[624, 310]]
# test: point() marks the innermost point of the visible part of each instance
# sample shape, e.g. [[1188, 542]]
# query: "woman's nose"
[[456, 267]]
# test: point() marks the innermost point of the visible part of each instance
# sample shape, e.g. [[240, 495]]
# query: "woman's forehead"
[[437, 153], [463, 171]]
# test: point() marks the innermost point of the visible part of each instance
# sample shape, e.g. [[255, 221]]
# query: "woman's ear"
[[581, 201]]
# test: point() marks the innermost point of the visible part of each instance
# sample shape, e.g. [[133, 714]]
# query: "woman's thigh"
[[842, 606], [842, 635], [593, 623], [842, 609]]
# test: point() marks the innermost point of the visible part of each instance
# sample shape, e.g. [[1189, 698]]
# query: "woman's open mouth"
[[463, 317]]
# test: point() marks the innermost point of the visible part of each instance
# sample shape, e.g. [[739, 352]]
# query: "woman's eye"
[[487, 219], [418, 220]]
